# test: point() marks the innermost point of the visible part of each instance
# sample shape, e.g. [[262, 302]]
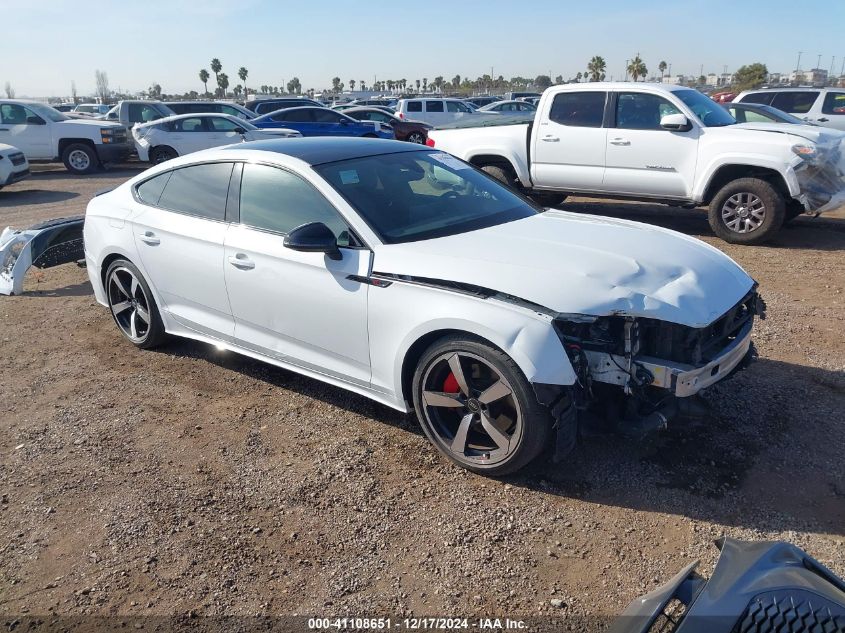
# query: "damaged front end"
[[42, 245], [821, 174], [635, 373]]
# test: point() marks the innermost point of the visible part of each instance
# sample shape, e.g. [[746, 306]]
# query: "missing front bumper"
[[679, 379]]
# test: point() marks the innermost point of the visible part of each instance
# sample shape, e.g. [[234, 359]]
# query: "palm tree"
[[352, 85], [425, 84], [456, 81], [204, 79], [363, 86], [242, 73], [216, 67], [223, 82], [438, 83], [578, 77], [637, 67], [417, 81], [662, 68], [596, 68]]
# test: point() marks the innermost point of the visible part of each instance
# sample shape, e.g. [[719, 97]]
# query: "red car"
[[403, 129], [723, 97]]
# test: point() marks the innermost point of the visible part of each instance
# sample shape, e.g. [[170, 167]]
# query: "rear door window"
[[189, 124], [795, 102], [434, 106], [834, 103], [579, 109], [198, 190], [414, 106]]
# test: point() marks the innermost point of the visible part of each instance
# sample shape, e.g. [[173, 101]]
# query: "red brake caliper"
[[450, 385]]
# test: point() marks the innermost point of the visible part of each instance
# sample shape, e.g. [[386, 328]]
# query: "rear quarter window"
[[150, 190], [414, 106], [198, 190]]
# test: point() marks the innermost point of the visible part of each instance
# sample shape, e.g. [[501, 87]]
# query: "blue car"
[[313, 121]]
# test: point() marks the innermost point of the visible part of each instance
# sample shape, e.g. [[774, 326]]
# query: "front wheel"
[[747, 211], [132, 305], [162, 154], [477, 408], [79, 158]]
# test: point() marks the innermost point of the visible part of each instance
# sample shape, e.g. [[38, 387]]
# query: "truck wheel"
[[416, 137], [547, 199], [162, 154], [747, 211], [501, 174], [477, 408], [80, 158]]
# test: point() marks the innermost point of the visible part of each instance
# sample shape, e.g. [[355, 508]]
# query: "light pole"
[[626, 69], [798, 66]]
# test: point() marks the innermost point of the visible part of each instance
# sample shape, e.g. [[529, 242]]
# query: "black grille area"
[[695, 346], [17, 159], [791, 611]]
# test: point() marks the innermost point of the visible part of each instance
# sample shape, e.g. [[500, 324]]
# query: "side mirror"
[[240, 130], [112, 115], [344, 121], [314, 237], [676, 123], [35, 120]]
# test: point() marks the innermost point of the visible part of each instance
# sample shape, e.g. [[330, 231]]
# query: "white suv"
[[822, 106], [433, 111]]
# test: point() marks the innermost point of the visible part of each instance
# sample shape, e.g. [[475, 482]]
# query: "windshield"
[[47, 112], [710, 113], [415, 196]]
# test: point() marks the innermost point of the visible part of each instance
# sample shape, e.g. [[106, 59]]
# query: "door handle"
[[4, 129], [550, 139], [823, 119], [619, 141], [148, 237], [241, 261]]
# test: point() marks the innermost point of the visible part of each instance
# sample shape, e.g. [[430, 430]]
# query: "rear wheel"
[[132, 305], [747, 211], [79, 158], [547, 199], [477, 408], [502, 174], [416, 137]]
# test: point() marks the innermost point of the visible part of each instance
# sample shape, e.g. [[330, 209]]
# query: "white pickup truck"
[[658, 143], [43, 133], [132, 111]]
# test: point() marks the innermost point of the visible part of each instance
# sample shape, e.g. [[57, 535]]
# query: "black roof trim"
[[318, 150]]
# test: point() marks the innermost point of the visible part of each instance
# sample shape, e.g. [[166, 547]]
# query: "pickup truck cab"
[[660, 143], [129, 112], [45, 134]]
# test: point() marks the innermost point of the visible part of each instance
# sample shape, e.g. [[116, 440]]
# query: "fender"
[[766, 161], [527, 336]]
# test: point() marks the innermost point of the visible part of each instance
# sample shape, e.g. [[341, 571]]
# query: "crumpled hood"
[[583, 264], [814, 133]]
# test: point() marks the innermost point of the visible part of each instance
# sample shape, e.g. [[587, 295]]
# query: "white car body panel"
[[150, 135], [301, 311], [658, 164]]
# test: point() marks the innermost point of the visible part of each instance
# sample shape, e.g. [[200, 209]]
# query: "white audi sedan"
[[408, 276], [167, 138]]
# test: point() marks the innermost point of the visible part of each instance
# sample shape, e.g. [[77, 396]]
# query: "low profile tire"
[[80, 158], [416, 137], [132, 305], [548, 199], [162, 154], [477, 408], [747, 211]]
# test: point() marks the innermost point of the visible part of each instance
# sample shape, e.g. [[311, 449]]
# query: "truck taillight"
[[401, 115], [430, 142]]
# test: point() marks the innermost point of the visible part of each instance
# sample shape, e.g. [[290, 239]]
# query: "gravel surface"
[[190, 482]]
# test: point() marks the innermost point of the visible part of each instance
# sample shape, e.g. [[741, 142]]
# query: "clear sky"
[[46, 44]]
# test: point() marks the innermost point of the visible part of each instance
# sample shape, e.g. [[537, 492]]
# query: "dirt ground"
[[187, 482]]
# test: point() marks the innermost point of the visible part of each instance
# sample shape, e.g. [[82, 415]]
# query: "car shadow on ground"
[[11, 199], [773, 464], [805, 232]]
